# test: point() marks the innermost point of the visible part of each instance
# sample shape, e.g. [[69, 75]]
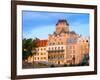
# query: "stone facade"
[[64, 46], [41, 53]]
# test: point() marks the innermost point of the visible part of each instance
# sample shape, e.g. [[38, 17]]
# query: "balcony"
[[56, 58], [54, 51]]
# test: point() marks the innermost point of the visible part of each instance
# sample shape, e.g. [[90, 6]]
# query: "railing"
[[55, 58], [52, 51]]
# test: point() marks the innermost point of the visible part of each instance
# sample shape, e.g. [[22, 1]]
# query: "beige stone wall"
[[56, 54], [41, 54], [74, 52]]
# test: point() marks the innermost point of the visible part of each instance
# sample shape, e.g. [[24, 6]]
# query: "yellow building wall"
[[41, 54]]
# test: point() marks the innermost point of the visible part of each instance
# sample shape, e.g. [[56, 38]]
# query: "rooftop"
[[41, 43], [62, 21]]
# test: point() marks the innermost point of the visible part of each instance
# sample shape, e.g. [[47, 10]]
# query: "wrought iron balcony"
[[57, 58], [52, 51]]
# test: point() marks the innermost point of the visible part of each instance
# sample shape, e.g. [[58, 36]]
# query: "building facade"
[[41, 53], [62, 47]]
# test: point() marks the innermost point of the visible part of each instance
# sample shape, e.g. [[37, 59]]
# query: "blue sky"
[[40, 24]]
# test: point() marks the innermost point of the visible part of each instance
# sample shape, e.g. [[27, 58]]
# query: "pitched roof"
[[41, 43], [62, 21]]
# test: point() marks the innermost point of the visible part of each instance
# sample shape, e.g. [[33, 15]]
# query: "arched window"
[[58, 48], [55, 48], [49, 48], [53, 43], [61, 47], [52, 48]]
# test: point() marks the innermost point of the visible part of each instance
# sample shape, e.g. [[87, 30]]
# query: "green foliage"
[[25, 54], [85, 60], [28, 46]]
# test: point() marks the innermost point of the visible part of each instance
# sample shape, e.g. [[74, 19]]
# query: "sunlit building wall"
[[41, 53], [62, 47]]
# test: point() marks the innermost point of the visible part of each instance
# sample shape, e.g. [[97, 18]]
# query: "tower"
[[62, 26]]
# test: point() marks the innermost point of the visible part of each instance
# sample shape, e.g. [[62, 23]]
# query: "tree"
[[85, 60], [28, 46]]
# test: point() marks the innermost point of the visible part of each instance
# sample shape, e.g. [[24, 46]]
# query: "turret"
[[62, 26]]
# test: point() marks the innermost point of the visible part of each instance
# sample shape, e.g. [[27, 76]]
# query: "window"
[[61, 42], [41, 53], [58, 48], [73, 51], [41, 58], [44, 48], [55, 48], [41, 49], [52, 48], [53, 43], [44, 57], [61, 47], [54, 56], [49, 57], [49, 48]]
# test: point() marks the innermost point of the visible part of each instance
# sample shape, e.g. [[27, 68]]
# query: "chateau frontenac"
[[62, 46]]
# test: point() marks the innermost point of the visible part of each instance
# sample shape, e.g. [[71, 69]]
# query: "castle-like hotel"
[[61, 47]]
